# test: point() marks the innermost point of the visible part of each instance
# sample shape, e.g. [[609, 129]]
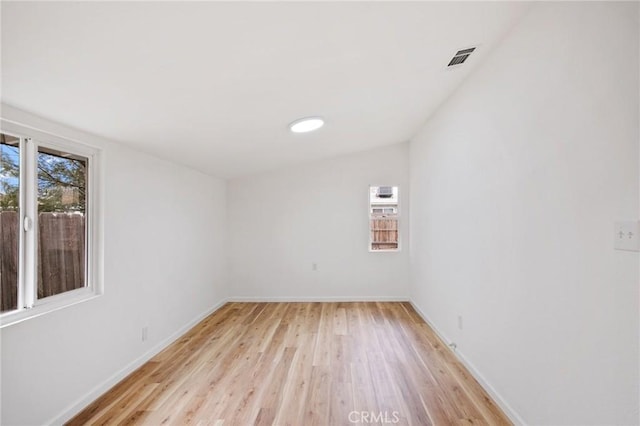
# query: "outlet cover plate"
[[626, 235]]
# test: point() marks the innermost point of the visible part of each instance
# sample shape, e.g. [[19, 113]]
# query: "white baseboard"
[[99, 390], [502, 403], [318, 299]]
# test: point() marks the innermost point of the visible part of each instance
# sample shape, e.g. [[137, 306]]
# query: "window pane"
[[9, 220], [61, 218], [383, 217]]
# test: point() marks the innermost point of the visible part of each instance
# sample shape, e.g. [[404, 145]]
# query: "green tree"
[[9, 175], [61, 181]]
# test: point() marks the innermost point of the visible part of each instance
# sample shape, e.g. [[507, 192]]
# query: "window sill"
[[50, 304]]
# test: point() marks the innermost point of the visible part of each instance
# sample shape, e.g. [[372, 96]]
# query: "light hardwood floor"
[[301, 364]]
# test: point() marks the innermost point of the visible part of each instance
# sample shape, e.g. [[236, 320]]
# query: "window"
[[384, 234], [384, 210], [48, 225]]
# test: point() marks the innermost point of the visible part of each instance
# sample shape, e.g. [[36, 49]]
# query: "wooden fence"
[[9, 260], [384, 233], [61, 255]]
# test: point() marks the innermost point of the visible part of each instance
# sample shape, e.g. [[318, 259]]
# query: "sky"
[[14, 155]]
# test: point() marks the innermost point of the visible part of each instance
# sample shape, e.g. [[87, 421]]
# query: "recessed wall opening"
[[384, 233]]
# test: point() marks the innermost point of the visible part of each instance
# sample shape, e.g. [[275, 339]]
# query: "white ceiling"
[[214, 85]]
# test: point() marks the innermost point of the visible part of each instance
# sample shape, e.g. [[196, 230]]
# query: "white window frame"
[[29, 306], [397, 216]]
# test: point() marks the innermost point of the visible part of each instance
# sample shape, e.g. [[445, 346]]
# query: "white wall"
[[165, 265], [515, 186], [284, 221]]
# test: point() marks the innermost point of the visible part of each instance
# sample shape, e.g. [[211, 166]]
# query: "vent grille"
[[461, 56], [385, 192]]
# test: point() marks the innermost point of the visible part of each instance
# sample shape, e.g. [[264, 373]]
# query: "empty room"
[[320, 213]]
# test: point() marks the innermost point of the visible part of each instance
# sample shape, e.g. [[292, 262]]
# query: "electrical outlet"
[[460, 322], [314, 266], [626, 235], [145, 333]]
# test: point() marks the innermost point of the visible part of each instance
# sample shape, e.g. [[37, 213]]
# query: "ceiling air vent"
[[461, 56]]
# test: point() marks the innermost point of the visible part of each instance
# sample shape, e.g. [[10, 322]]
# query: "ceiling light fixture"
[[307, 124]]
